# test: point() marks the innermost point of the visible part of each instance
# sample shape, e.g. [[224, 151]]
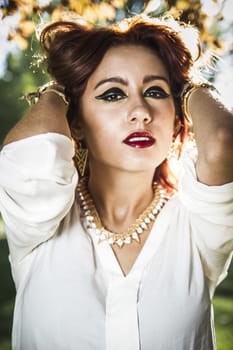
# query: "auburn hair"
[[74, 50]]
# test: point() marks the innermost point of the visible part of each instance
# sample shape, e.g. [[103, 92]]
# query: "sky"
[[224, 77], [6, 46]]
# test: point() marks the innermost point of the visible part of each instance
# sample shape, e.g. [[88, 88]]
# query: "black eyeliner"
[[157, 89], [109, 92]]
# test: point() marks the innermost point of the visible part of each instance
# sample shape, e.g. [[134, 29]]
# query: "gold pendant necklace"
[[93, 221]]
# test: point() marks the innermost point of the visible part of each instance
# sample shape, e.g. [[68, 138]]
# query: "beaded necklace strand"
[[134, 231]]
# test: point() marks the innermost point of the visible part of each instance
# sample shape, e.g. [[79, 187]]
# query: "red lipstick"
[[139, 139]]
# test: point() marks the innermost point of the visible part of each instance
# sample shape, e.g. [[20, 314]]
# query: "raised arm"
[[47, 115], [37, 177], [213, 129]]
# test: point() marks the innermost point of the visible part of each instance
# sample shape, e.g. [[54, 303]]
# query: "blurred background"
[[22, 71]]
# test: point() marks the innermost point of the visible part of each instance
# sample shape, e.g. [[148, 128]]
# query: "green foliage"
[[22, 75], [7, 296], [226, 287], [224, 322]]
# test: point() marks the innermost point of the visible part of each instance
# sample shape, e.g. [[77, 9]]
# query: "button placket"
[[121, 314]]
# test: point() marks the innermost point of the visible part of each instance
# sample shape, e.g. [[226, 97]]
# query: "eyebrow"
[[112, 80], [147, 79]]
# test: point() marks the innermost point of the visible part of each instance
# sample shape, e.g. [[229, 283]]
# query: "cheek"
[[171, 126], [97, 135], [166, 125], [167, 111]]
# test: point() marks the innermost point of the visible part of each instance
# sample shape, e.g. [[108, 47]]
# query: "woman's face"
[[127, 111]]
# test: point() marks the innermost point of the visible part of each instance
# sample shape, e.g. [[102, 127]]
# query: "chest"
[[127, 255], [69, 293]]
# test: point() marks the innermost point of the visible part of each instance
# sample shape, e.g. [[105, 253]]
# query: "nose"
[[139, 114]]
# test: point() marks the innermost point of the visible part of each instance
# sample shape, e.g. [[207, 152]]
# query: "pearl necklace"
[[94, 224]]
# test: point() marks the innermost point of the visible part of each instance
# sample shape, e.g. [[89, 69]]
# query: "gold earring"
[[174, 150], [81, 155], [178, 127]]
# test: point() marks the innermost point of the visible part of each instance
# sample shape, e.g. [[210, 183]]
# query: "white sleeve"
[[37, 187], [211, 219]]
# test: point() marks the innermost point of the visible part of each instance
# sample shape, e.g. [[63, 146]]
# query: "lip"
[[139, 139]]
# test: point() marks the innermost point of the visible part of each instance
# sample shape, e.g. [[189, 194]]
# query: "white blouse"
[[71, 292]]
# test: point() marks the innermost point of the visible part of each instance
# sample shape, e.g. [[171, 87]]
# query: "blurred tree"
[[206, 15]]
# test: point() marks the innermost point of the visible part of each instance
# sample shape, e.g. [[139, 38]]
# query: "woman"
[[115, 258]]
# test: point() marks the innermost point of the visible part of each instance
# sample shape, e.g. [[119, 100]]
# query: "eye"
[[156, 92], [112, 95]]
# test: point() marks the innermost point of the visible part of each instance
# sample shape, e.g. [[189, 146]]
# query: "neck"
[[120, 198], [117, 233]]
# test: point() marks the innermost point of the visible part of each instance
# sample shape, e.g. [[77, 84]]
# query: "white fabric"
[[71, 292]]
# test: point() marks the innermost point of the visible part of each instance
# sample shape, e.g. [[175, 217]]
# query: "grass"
[[224, 322], [223, 304]]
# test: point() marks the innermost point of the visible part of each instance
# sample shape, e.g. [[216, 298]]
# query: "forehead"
[[129, 60]]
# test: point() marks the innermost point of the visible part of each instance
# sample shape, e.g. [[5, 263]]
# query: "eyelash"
[[159, 93], [116, 94], [112, 95]]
